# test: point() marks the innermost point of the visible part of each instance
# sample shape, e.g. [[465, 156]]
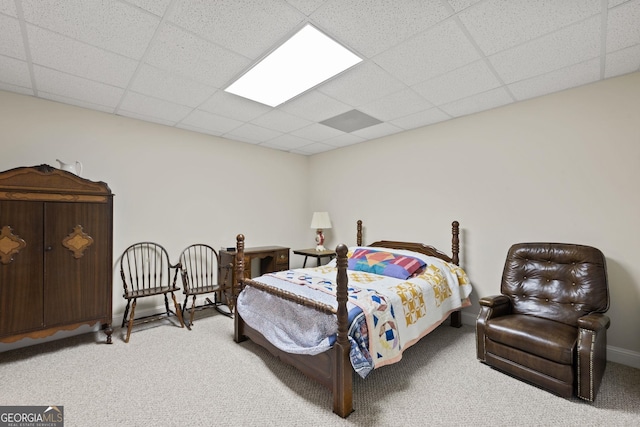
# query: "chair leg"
[[184, 304], [166, 303], [178, 309], [192, 311], [126, 311], [133, 312]]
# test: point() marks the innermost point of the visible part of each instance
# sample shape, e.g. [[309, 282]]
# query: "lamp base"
[[320, 241]]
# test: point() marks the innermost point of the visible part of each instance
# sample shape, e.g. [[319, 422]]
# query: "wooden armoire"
[[56, 250]]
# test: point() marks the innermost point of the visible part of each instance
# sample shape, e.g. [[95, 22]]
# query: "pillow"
[[384, 263]]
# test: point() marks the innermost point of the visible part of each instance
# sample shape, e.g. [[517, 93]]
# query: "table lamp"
[[320, 221]]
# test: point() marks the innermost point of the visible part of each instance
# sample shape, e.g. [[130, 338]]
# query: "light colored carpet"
[[174, 377]]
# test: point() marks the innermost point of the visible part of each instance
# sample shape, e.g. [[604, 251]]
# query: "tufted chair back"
[[556, 281]]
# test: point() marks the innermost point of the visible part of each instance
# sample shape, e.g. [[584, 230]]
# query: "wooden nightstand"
[[318, 255], [271, 258]]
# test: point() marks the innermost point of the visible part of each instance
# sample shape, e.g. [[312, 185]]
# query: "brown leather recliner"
[[548, 326]]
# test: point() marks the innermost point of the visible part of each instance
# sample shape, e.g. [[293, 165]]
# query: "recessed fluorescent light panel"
[[305, 60]]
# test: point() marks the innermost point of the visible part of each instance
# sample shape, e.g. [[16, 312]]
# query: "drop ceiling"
[[425, 61]]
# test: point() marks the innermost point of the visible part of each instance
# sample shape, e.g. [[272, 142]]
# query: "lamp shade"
[[321, 220]]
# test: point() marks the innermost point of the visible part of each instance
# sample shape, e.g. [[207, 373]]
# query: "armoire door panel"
[[21, 291], [76, 271]]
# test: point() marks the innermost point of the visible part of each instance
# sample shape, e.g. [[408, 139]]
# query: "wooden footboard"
[[331, 368]]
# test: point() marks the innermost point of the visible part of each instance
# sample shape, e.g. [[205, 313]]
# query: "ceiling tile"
[[251, 133], [614, 3], [146, 118], [16, 89], [396, 105], [157, 7], [423, 118], [571, 45], [459, 5], [497, 25], [180, 52], [170, 87], [429, 54], [211, 122], [480, 102], [76, 102], [61, 53], [153, 107], [461, 83], [280, 121], [377, 131], [11, 42], [286, 142], [344, 140], [8, 7], [574, 75], [623, 26], [317, 132], [315, 106], [314, 148], [111, 25], [15, 72], [228, 105], [58, 83], [306, 6], [623, 61], [269, 22], [361, 84], [386, 23]]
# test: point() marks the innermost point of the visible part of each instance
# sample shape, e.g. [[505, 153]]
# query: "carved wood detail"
[[77, 241], [10, 244]]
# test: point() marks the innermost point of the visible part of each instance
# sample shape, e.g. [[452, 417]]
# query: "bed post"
[[455, 242], [238, 323], [342, 377], [456, 316], [359, 235]]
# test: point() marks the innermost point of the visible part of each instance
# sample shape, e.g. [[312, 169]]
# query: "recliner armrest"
[[497, 305], [490, 307], [594, 322], [591, 354], [494, 300]]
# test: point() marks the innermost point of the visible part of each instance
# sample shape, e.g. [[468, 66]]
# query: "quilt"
[[387, 314]]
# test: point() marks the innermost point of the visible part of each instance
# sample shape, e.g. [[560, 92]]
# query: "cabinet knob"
[[48, 248]]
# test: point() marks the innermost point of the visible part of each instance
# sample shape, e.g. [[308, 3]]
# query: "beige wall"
[[171, 186], [563, 167]]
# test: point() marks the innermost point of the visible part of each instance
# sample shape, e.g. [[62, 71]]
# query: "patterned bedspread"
[[387, 314]]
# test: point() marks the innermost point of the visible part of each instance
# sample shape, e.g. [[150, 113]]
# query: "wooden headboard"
[[420, 247]]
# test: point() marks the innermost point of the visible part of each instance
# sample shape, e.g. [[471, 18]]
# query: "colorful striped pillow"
[[384, 263]]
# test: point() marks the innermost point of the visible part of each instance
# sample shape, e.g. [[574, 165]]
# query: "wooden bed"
[[331, 368]]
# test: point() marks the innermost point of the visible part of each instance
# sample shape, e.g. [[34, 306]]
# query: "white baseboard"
[[614, 354], [623, 356]]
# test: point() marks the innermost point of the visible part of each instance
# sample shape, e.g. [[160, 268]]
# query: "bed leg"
[[342, 382], [456, 319], [238, 328]]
